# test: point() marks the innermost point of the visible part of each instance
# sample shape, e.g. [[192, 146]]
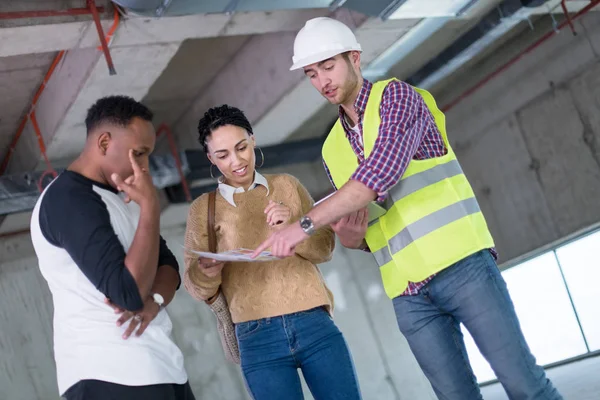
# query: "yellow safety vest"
[[432, 220]]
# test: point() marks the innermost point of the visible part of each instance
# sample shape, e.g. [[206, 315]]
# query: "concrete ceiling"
[[20, 77], [196, 63], [181, 65]]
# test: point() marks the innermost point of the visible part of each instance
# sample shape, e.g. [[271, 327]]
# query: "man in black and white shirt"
[[102, 254]]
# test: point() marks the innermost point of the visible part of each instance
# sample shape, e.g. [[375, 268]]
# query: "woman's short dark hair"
[[217, 117]]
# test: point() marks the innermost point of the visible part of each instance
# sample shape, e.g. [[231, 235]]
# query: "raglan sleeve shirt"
[[79, 222], [167, 259]]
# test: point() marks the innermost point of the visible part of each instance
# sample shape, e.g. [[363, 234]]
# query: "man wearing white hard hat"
[[402, 195]]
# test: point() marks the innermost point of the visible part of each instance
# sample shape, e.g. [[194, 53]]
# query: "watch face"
[[305, 223], [158, 298]]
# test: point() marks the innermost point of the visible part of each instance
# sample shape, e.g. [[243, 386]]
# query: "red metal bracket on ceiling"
[[90, 9], [94, 11], [113, 27], [539, 42], [163, 128], [21, 128], [49, 169], [568, 16], [47, 13], [27, 117]]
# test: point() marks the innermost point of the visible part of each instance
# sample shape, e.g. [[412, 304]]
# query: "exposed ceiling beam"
[[145, 31]]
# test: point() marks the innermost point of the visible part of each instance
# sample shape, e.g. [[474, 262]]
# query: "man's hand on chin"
[[140, 319], [283, 242]]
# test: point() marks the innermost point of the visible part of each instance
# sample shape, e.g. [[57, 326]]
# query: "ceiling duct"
[[372, 8], [415, 9], [533, 3], [494, 25], [19, 192], [409, 9], [171, 8]]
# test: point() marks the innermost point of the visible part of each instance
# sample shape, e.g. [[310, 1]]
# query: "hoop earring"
[[211, 171], [262, 158]]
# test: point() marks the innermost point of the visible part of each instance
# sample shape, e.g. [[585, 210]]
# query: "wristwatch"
[[365, 247], [158, 299], [307, 225]]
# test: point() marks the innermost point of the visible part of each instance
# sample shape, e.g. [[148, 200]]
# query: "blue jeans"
[[272, 350], [473, 292]]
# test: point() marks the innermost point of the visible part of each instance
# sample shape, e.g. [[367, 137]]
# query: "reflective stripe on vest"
[[432, 219], [425, 226], [421, 180]]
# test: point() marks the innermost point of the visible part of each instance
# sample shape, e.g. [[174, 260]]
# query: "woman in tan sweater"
[[281, 309]]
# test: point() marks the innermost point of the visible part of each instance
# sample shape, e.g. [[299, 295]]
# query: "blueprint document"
[[234, 255]]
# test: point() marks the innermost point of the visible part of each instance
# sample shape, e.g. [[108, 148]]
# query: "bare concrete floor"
[[576, 381]]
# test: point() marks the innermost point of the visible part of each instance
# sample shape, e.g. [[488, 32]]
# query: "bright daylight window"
[[556, 296]]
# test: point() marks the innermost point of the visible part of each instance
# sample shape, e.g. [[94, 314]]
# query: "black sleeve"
[[166, 257], [78, 221]]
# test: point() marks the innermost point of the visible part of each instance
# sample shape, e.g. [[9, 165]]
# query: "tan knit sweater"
[[259, 289]]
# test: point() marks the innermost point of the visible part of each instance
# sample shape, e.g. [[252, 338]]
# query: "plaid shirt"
[[407, 131]]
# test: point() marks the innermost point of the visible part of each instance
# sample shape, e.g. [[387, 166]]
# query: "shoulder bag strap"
[[212, 237]]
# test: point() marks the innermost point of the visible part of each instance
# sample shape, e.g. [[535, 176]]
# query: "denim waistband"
[[294, 314]]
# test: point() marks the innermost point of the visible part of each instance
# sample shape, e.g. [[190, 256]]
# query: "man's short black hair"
[[217, 117], [116, 110]]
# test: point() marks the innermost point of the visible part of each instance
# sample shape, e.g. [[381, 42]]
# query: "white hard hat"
[[322, 38]]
